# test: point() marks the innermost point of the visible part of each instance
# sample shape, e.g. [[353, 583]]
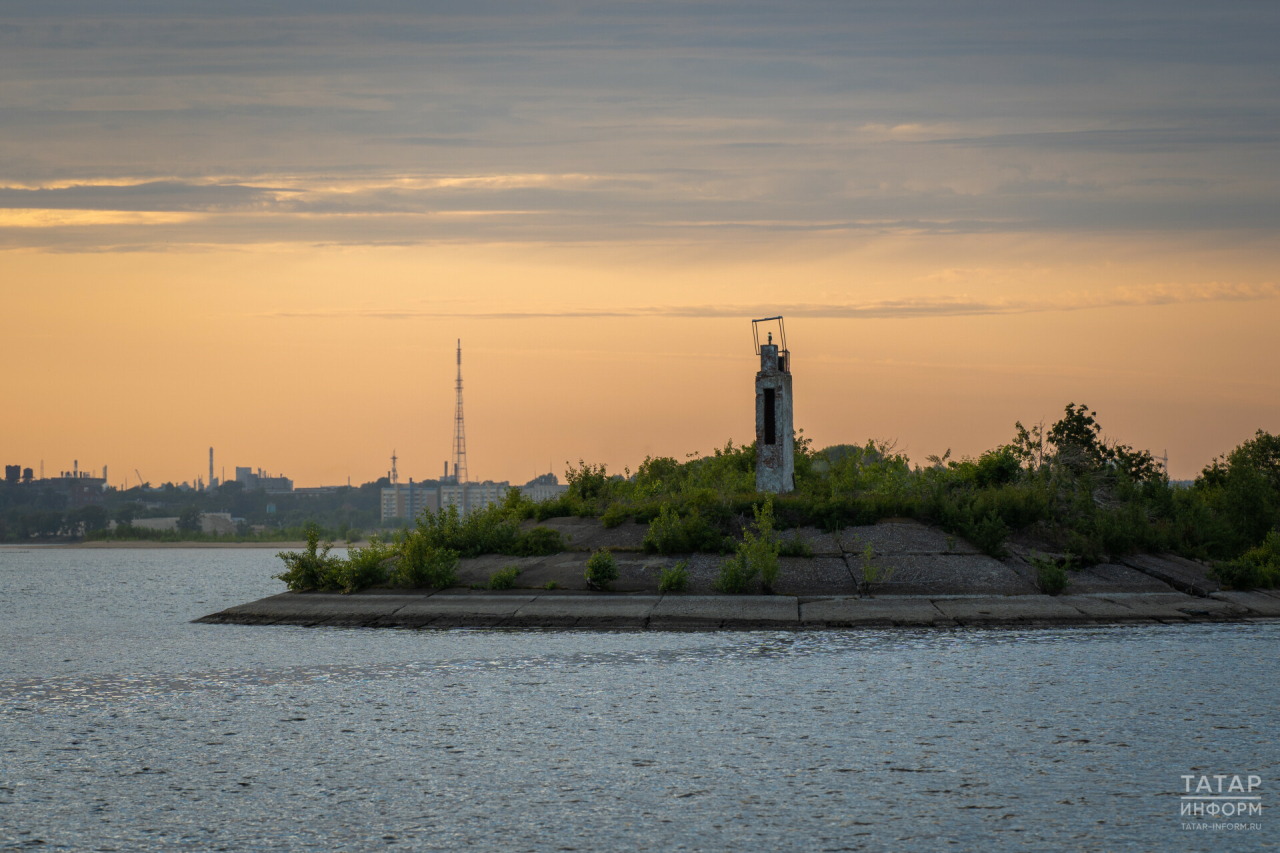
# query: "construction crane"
[[135, 470]]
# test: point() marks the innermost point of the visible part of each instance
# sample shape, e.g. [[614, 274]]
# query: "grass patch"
[[874, 574], [1051, 576], [674, 578], [505, 578]]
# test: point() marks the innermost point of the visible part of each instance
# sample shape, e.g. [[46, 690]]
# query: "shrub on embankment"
[[1067, 488], [1064, 489], [425, 556]]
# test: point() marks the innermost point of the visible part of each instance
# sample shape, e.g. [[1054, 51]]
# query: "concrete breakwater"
[[934, 579], [522, 609]]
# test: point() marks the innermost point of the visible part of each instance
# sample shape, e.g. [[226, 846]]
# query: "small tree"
[[189, 519], [126, 513], [602, 571], [424, 564], [756, 555], [309, 569], [762, 548], [93, 518]]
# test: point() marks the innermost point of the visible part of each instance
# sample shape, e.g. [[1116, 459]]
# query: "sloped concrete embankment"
[[922, 560], [936, 580]]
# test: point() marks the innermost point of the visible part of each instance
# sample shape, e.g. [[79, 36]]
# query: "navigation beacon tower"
[[775, 438], [459, 430]]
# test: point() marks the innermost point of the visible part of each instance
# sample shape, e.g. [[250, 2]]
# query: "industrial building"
[[251, 480], [410, 500]]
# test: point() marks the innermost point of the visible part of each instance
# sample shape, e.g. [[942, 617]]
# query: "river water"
[[125, 727]]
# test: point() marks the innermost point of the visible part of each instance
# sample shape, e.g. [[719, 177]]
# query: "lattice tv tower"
[[459, 430]]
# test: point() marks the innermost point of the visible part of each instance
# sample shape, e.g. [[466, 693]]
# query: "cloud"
[[722, 121], [151, 196], [895, 309]]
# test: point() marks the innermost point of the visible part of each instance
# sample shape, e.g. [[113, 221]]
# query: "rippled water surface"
[[125, 727]]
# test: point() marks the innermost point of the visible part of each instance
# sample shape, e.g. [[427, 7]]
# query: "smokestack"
[[211, 465]]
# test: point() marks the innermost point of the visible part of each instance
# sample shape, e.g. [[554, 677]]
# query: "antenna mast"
[[459, 431]]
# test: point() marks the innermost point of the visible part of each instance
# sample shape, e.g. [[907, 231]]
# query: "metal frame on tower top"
[[459, 430], [782, 332]]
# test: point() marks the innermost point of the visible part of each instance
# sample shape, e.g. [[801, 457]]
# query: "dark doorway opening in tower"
[[770, 430]]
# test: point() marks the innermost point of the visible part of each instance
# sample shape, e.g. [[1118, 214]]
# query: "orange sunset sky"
[[263, 232]]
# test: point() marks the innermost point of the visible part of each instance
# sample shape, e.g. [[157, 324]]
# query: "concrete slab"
[[966, 574], [703, 612], [1114, 577], [730, 611], [588, 611], [478, 570], [703, 570], [587, 534], [1102, 578], [822, 544], [636, 572], [864, 612], [1176, 606], [814, 576], [264, 611], [1102, 609], [1255, 602], [903, 536], [315, 608], [440, 611], [1007, 610], [1181, 574], [360, 611]]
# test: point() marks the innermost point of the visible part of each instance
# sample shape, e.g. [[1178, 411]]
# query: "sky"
[[263, 227]]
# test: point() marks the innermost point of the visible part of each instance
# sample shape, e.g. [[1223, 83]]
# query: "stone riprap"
[[928, 578], [737, 612]]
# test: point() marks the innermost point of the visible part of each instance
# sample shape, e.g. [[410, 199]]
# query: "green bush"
[[1051, 576], [669, 533], [539, 542], [1257, 568], [665, 534], [761, 547], [309, 569], [795, 547], [736, 576], [602, 571], [675, 578], [504, 579], [484, 531], [755, 556], [989, 534], [424, 564], [614, 515], [364, 567]]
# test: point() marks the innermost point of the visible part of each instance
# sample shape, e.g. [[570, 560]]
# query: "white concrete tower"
[[775, 434]]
